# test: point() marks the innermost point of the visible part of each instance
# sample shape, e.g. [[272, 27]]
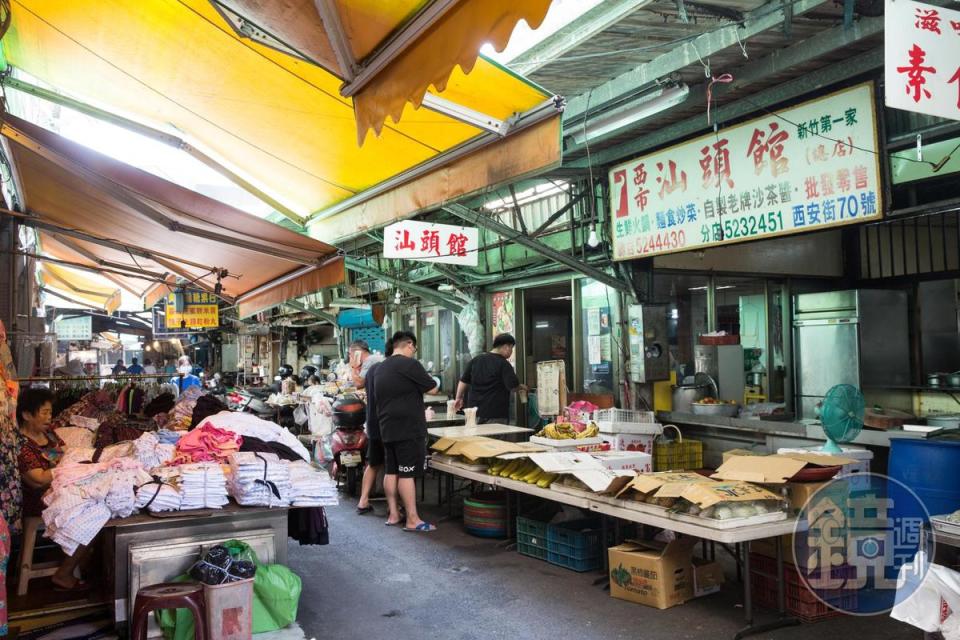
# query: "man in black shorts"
[[375, 453], [400, 383]]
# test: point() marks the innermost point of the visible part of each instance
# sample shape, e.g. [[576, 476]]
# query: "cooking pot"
[[685, 395], [953, 379], [755, 378], [934, 379], [944, 420]]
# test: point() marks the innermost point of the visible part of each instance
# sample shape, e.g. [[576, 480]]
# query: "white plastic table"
[[489, 430]]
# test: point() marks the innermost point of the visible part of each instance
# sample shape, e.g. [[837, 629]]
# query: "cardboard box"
[[799, 493], [743, 452], [636, 461], [478, 447], [671, 483], [661, 576], [585, 468], [706, 495], [629, 441], [707, 577], [773, 469]]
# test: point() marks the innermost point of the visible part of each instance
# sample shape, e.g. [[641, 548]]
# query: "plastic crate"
[[575, 545], [677, 455], [626, 421], [799, 600], [586, 564], [532, 538]]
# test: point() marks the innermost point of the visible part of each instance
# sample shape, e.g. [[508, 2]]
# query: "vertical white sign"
[[922, 58]]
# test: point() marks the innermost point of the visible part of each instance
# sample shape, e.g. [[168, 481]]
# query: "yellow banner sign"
[[200, 311]]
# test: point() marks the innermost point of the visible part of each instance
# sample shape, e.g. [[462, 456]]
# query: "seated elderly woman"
[[40, 451]]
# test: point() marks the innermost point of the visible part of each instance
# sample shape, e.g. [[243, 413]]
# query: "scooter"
[[349, 441]]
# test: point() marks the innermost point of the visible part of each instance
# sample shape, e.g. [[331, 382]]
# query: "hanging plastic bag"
[[300, 415]]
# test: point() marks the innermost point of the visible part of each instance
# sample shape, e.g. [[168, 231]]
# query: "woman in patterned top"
[[40, 451]]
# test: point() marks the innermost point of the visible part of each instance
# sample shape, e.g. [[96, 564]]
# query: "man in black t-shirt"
[[400, 382], [488, 382]]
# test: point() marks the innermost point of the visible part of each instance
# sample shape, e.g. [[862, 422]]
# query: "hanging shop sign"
[[805, 168], [197, 310], [922, 58], [428, 242], [75, 328]]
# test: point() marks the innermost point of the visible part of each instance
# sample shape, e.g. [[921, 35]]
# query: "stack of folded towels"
[[259, 479], [162, 493], [202, 486], [311, 487]]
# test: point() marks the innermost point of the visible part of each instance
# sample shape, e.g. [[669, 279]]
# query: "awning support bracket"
[[426, 293], [507, 233]]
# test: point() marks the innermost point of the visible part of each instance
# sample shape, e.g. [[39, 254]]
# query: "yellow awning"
[[80, 285], [278, 121]]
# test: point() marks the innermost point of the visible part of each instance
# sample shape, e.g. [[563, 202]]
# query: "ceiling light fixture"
[[594, 240], [647, 106]]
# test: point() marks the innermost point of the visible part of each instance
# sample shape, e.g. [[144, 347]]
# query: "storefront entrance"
[[548, 314]]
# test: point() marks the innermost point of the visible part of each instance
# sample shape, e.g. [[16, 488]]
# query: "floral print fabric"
[[11, 497]]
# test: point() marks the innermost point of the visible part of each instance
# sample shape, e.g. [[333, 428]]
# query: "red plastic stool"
[[170, 595]]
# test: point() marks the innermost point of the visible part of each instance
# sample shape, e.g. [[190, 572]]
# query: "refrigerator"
[[858, 337]]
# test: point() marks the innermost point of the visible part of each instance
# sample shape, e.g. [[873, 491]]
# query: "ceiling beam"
[[699, 49], [426, 293], [537, 247], [776, 63], [332, 24], [87, 305], [316, 313], [571, 36], [451, 275], [34, 220], [396, 45], [790, 90], [153, 134]]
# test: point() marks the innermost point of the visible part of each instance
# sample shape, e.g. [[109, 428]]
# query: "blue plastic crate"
[[532, 527], [532, 538], [530, 548], [585, 564], [576, 540]]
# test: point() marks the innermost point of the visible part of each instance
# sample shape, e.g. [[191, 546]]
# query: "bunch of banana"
[[496, 466], [532, 476], [590, 432], [510, 467], [559, 431], [546, 479], [526, 466]]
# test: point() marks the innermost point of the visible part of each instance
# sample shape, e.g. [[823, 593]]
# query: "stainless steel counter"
[[143, 549], [721, 434]]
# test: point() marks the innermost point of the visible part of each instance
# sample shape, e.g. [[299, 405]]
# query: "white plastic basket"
[[624, 415], [615, 421]]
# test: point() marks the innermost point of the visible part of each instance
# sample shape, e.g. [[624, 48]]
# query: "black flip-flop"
[[363, 510]]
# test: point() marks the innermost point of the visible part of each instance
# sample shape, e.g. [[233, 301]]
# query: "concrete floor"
[[376, 582]]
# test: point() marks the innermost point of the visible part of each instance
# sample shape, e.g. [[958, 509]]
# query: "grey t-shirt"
[[371, 360]]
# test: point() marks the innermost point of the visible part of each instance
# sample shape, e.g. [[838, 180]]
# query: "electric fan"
[[841, 414]]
